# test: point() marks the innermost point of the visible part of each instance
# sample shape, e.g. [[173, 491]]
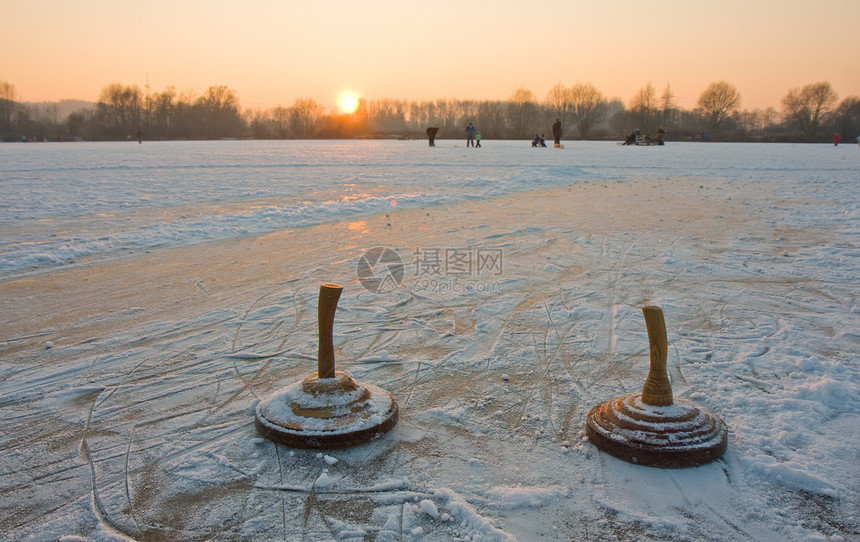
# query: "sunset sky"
[[274, 51]]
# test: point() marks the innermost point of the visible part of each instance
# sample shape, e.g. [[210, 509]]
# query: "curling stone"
[[327, 409], [650, 428]]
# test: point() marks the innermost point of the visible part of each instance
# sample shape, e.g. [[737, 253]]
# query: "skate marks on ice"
[[148, 431]]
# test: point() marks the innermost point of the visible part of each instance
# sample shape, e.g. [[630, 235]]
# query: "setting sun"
[[348, 103]]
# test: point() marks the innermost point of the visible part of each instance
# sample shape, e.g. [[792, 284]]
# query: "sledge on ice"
[[636, 138]]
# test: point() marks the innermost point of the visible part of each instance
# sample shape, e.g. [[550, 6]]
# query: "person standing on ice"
[[431, 133], [470, 135], [477, 139], [836, 139], [556, 132]]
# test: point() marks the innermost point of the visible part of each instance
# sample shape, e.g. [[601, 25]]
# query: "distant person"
[[631, 139], [431, 133], [536, 141], [477, 139], [470, 135], [556, 132], [139, 135], [542, 141], [659, 139], [836, 139]]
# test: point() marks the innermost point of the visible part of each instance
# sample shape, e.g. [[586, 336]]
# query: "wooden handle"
[[329, 295], [657, 390]]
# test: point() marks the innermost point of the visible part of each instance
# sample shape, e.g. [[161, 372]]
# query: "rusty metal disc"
[[326, 413], [674, 436]]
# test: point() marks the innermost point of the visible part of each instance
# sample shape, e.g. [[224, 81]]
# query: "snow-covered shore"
[[129, 377]]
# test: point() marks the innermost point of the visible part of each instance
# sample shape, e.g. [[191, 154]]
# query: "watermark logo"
[[380, 270], [459, 269], [474, 262]]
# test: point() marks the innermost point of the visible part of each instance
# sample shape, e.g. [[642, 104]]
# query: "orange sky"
[[274, 51]]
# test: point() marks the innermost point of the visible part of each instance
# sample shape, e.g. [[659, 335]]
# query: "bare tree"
[[305, 114], [717, 103], [186, 117], [219, 112], [807, 105], [846, 117], [491, 119], [387, 115], [8, 104], [521, 107], [119, 108], [259, 122], [668, 107], [431, 114], [280, 116], [558, 100], [758, 120], [643, 107], [78, 121], [441, 114], [418, 115], [469, 112], [162, 107], [49, 114], [588, 107]]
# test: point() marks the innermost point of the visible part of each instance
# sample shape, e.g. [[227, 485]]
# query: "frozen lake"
[[67, 204], [153, 294]]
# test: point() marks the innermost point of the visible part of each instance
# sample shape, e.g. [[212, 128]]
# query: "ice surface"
[[176, 284]]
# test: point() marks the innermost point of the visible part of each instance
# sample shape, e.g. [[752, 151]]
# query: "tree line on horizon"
[[809, 113]]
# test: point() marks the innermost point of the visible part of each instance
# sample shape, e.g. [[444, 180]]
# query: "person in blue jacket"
[[470, 135]]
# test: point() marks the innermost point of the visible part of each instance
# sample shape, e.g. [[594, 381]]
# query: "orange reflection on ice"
[[359, 226], [352, 197]]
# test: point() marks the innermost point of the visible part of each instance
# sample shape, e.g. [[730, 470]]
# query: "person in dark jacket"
[[470, 135], [632, 138], [431, 133], [556, 132]]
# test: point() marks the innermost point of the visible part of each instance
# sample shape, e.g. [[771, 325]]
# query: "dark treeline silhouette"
[[809, 113]]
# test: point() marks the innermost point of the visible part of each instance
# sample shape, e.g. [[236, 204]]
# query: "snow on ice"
[[153, 295]]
